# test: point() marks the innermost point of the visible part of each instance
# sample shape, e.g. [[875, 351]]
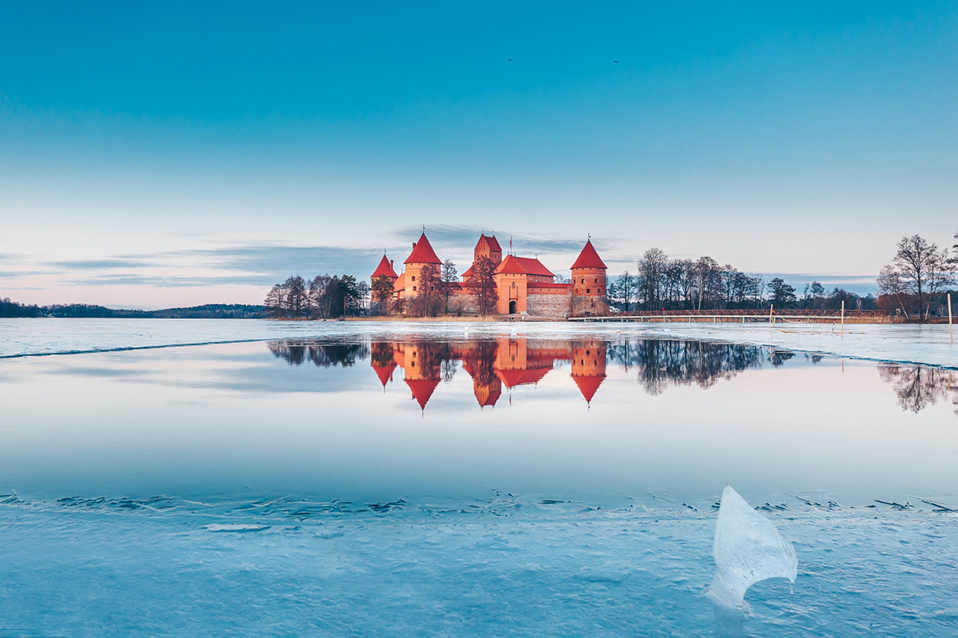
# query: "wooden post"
[[771, 317], [843, 318], [951, 330]]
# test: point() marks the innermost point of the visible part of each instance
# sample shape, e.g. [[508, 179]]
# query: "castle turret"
[[385, 269], [488, 247], [421, 255], [589, 281]]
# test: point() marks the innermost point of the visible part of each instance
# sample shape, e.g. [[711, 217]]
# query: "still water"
[[504, 484]]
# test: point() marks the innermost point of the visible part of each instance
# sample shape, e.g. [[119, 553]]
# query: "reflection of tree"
[[432, 354], [382, 354], [324, 355], [449, 368], [919, 387], [781, 356], [663, 363], [480, 361]]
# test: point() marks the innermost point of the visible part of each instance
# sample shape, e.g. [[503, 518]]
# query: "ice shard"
[[748, 548]]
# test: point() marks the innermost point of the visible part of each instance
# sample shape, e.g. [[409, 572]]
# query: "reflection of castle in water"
[[493, 364], [509, 362]]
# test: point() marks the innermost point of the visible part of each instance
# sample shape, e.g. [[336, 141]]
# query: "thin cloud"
[[12, 274], [174, 282], [276, 261], [466, 236], [102, 264]]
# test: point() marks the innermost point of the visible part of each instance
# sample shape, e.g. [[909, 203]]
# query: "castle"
[[523, 285]]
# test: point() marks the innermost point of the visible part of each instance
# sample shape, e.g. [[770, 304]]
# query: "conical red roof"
[[385, 269], [422, 390], [588, 386], [422, 253], [385, 372], [588, 258]]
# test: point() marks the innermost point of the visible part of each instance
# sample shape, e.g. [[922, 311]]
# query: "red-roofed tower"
[[589, 281], [488, 247], [421, 255]]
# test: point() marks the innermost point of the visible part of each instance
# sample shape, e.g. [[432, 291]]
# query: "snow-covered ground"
[[925, 344], [504, 567]]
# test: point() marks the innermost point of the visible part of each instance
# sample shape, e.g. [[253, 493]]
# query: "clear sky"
[[157, 154]]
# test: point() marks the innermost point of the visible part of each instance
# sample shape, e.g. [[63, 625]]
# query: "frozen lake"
[[463, 479]]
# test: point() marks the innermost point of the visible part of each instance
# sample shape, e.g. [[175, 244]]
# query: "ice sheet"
[[926, 344], [507, 566]]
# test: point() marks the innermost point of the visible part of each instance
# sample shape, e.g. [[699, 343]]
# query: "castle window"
[[597, 280], [414, 277], [414, 288], [586, 290], [582, 282]]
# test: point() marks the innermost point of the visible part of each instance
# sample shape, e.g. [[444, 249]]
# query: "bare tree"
[[484, 286], [651, 267], [626, 289], [729, 276], [890, 283], [940, 269], [382, 291], [275, 303], [913, 260], [448, 280], [319, 300], [707, 280], [296, 299], [364, 296]]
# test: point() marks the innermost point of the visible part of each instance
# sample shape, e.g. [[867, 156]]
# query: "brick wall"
[[589, 305], [549, 305]]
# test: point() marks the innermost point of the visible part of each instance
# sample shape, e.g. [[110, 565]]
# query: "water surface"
[[451, 481]]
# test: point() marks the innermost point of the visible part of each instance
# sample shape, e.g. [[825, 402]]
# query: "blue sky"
[[156, 154]]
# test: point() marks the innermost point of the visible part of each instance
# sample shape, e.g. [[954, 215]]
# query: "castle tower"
[[385, 268], [421, 255], [589, 281], [488, 247]]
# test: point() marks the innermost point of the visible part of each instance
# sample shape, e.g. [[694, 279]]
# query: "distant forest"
[[10, 308]]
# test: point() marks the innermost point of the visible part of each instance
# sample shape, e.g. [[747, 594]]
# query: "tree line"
[[322, 297], [9, 309], [915, 283], [662, 283]]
